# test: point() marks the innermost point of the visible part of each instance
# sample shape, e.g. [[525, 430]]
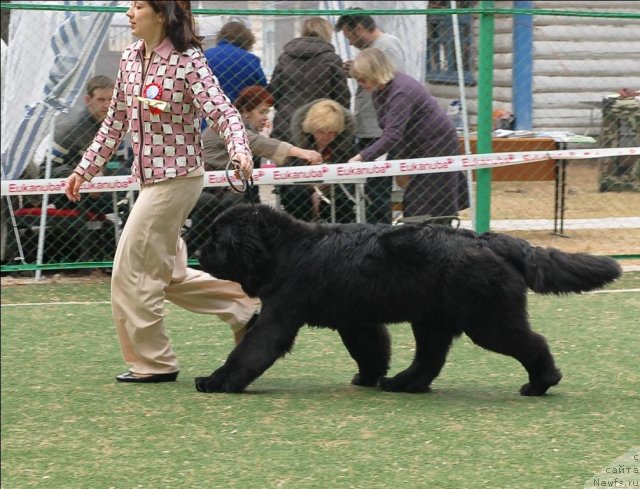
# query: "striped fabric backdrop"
[[74, 44]]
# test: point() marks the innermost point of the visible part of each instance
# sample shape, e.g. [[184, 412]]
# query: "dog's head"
[[241, 245]]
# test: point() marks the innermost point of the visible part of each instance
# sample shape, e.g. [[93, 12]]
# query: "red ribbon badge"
[[153, 91]]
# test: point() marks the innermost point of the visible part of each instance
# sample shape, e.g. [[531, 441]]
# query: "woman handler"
[[163, 88]]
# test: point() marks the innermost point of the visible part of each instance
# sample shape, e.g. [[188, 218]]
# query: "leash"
[[245, 188]]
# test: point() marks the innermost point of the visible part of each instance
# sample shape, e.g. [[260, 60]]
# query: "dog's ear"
[[269, 234], [256, 256], [253, 244]]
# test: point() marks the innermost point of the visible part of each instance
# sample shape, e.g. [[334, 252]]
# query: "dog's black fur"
[[356, 278]]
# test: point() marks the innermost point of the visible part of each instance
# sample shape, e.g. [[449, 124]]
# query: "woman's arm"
[[279, 151], [221, 115], [309, 155], [216, 157], [397, 109]]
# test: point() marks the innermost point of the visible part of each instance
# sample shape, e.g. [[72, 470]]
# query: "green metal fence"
[[549, 78]]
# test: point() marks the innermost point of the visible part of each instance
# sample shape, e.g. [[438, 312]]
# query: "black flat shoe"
[[147, 379]]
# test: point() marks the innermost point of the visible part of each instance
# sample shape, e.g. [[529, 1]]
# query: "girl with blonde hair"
[[328, 128]]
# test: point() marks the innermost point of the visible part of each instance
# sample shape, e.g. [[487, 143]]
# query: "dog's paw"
[[365, 380], [391, 384], [209, 384], [218, 381], [542, 384], [532, 390], [222, 380]]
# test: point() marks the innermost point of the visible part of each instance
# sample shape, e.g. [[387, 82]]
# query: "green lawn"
[[67, 424]]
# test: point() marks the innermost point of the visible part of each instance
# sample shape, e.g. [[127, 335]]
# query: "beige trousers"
[[151, 264]]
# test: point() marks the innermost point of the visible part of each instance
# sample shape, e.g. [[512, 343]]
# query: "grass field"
[[67, 424]]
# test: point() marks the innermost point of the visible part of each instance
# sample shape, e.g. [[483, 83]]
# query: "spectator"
[[327, 127], [414, 126], [253, 104], [72, 136], [74, 133], [362, 32], [232, 63], [164, 87], [308, 69]]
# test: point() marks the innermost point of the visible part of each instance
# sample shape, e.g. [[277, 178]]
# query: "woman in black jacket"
[[307, 69]]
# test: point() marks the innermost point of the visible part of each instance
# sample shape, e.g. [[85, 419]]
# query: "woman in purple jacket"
[[414, 126], [163, 88]]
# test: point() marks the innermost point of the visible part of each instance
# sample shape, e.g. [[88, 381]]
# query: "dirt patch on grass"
[[586, 241], [535, 200], [48, 278], [583, 200]]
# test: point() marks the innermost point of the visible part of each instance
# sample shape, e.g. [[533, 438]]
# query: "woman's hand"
[[309, 155], [355, 158], [72, 187], [403, 180], [242, 164]]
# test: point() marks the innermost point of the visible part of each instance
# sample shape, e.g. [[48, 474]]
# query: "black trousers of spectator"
[[378, 192], [296, 201]]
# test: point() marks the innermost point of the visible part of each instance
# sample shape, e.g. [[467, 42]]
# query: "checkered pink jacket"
[[166, 144]]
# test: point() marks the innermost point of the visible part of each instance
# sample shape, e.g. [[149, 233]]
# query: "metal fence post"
[[485, 108], [523, 66]]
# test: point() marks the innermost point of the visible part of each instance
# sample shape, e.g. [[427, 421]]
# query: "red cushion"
[[51, 212], [36, 211]]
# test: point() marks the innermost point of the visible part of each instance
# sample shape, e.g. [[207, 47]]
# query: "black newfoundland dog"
[[356, 278]]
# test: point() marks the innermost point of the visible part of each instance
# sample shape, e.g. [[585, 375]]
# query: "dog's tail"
[[551, 271]]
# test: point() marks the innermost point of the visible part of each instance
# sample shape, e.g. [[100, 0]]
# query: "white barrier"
[[334, 172]]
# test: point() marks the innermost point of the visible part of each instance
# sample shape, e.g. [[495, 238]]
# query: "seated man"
[[73, 134]]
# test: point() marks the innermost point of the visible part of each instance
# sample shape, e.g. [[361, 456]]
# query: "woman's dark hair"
[[238, 34], [179, 23], [251, 97]]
